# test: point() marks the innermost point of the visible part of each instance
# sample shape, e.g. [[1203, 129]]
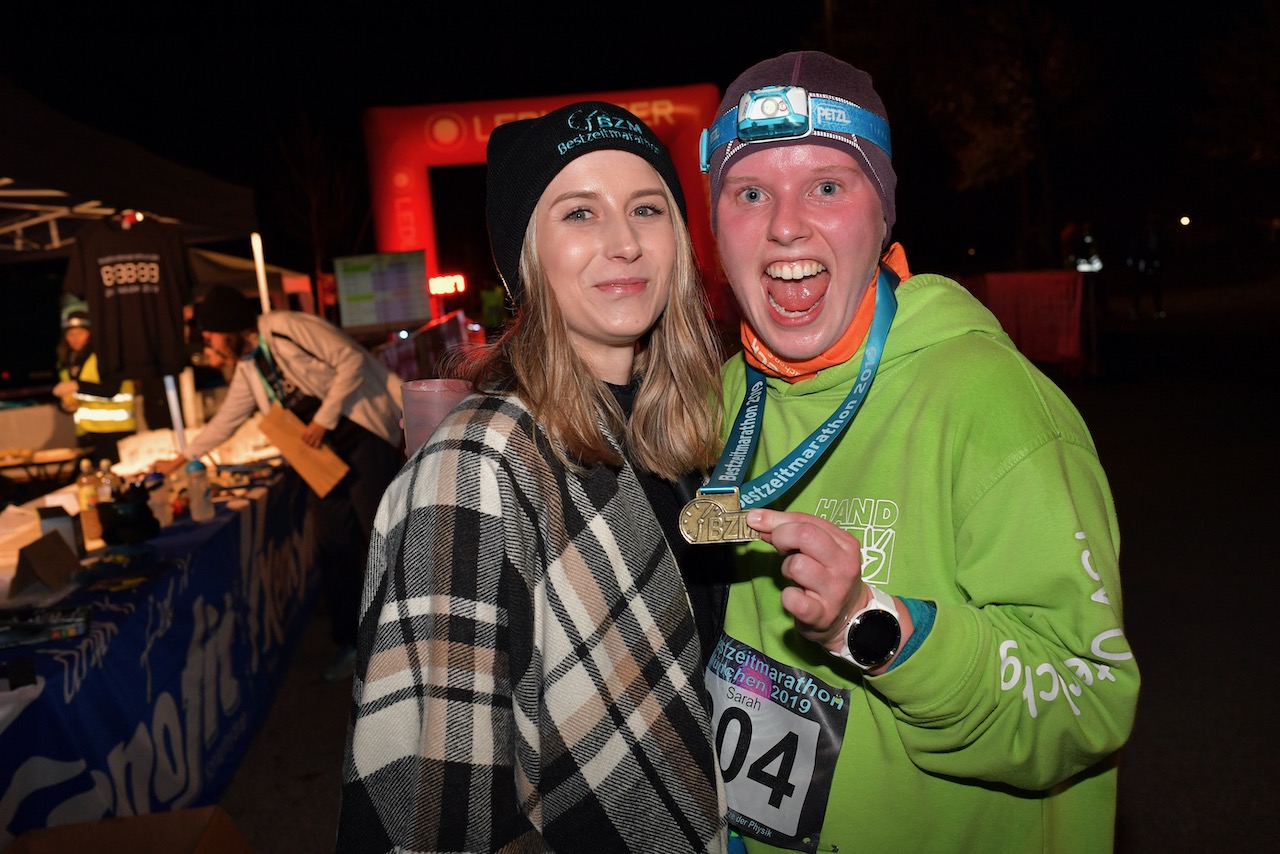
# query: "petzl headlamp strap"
[[829, 114]]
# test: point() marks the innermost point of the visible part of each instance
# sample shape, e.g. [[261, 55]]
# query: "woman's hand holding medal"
[[824, 564]]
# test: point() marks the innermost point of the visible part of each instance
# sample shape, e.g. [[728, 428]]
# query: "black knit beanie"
[[225, 309], [821, 75], [525, 156]]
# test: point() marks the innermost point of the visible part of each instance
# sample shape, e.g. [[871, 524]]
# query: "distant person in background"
[[347, 399], [1145, 263], [1084, 253], [103, 412], [530, 663]]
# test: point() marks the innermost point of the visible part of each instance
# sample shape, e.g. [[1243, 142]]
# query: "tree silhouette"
[[1240, 117], [1004, 88], [1236, 126], [316, 189]]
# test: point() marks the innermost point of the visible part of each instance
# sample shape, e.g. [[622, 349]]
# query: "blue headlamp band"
[[829, 114]]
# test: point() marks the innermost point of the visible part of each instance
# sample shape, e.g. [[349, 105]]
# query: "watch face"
[[873, 638]]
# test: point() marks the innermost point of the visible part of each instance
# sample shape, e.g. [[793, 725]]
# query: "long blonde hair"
[[675, 422]]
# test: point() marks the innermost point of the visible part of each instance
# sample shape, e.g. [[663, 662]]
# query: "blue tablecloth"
[[154, 707]]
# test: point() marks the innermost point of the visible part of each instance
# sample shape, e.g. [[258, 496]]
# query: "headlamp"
[[789, 112], [773, 112]]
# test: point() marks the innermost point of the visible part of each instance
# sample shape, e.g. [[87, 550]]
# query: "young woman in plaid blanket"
[[529, 669]]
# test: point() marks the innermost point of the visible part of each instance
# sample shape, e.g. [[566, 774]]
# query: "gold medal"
[[716, 518]]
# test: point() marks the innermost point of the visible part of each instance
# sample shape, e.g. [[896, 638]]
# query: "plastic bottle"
[[111, 485], [198, 492], [87, 497]]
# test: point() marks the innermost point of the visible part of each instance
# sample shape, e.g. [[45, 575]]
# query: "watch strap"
[[881, 600]]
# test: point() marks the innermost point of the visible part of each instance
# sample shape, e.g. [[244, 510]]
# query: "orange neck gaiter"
[[759, 356]]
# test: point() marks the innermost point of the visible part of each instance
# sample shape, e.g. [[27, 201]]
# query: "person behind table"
[[103, 410], [529, 665], [347, 399], [990, 684]]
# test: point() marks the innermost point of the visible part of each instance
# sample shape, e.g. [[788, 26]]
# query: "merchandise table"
[[153, 707]]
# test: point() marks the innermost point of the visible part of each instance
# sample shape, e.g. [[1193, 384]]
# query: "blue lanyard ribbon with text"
[[741, 446]]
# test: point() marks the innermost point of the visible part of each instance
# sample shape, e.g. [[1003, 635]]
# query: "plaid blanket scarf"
[[525, 671]]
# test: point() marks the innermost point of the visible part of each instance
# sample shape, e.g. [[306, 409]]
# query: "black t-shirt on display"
[[135, 281]]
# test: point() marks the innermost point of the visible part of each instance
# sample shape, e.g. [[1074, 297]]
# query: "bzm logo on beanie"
[[596, 124]]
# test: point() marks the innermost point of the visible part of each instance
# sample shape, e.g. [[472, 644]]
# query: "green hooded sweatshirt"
[[972, 483]]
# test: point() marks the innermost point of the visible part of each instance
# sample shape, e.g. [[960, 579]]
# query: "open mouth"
[[792, 291]]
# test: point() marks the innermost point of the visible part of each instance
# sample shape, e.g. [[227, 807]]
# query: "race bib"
[[777, 732]]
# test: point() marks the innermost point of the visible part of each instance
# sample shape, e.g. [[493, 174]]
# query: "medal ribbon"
[[738, 451]]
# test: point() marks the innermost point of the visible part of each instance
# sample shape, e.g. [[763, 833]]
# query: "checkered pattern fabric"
[[526, 669]]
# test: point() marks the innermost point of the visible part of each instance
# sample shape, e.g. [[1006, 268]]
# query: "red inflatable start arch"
[[404, 143]]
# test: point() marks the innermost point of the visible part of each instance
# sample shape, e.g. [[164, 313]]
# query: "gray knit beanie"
[[822, 75], [525, 156]]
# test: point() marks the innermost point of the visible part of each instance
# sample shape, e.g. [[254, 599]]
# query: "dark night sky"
[[214, 89], [208, 92], [211, 86]]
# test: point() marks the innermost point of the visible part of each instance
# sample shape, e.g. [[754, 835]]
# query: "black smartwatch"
[[873, 634]]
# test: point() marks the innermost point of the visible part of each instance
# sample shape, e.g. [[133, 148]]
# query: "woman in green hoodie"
[[975, 695]]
